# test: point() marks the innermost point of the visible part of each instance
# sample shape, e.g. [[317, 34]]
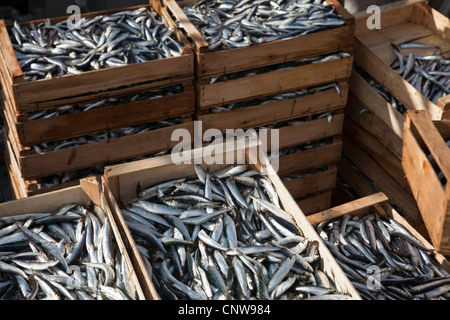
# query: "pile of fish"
[[384, 93], [229, 24], [65, 255], [127, 37], [383, 260], [106, 135], [279, 67], [224, 235], [114, 101], [429, 74]]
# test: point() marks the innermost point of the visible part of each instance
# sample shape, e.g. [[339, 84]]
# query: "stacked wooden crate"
[[23, 98], [426, 161], [373, 128], [315, 169]]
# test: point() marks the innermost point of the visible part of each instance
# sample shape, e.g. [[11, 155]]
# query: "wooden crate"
[[402, 23], [47, 93], [210, 64], [423, 137], [382, 179], [123, 179], [375, 203], [66, 126], [89, 191], [21, 187], [88, 155]]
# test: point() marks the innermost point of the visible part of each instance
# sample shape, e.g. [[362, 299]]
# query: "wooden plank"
[[377, 151], [374, 102], [266, 54], [373, 124], [264, 114], [108, 118], [312, 183], [92, 154], [316, 203], [77, 84], [383, 180], [354, 179], [194, 34], [391, 14], [302, 133], [432, 198], [8, 54], [433, 140], [310, 159], [273, 82], [356, 207]]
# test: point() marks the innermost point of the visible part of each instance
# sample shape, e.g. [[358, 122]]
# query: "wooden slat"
[[432, 199], [310, 159], [433, 140], [377, 151], [266, 54], [383, 180], [260, 115], [109, 118], [92, 154], [309, 131], [77, 84], [312, 183], [374, 102], [275, 82], [315, 203], [356, 207], [373, 124], [354, 179], [8, 54]]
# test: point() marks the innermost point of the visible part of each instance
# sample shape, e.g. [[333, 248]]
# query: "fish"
[[429, 74], [104, 41], [381, 269], [234, 24], [226, 256], [45, 265]]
